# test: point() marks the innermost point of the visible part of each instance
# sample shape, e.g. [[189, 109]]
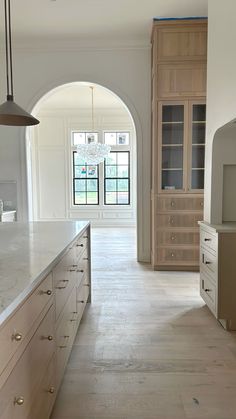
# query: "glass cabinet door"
[[172, 147], [198, 145]]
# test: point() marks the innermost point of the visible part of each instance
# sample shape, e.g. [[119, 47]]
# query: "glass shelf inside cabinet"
[[198, 146], [172, 147]]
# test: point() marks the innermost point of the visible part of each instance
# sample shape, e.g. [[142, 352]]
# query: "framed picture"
[[123, 138]]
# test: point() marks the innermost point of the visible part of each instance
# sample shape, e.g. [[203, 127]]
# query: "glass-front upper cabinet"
[[172, 146], [198, 133]]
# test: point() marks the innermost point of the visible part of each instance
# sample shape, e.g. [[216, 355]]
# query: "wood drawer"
[[174, 238], [209, 264], [17, 328], [178, 220], [173, 203], [81, 244], [82, 266], [45, 394], [22, 383], [209, 241], [65, 334], [64, 279], [178, 256], [208, 293]]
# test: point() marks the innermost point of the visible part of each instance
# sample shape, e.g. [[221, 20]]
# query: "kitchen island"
[[45, 283]]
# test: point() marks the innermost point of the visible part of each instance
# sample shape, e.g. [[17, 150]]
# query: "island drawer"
[[46, 393], [16, 395], [18, 327], [81, 244]]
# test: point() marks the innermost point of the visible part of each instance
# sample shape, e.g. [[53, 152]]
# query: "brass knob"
[[172, 255], [50, 337], [172, 203], [18, 337], [19, 400], [49, 292], [172, 237], [171, 221], [51, 390]]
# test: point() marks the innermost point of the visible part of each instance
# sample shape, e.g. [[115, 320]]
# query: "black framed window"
[[85, 182], [117, 178]]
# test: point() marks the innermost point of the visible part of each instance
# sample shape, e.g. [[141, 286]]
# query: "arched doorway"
[[57, 189]]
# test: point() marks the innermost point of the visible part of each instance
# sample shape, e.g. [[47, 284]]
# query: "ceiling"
[[78, 96], [91, 20]]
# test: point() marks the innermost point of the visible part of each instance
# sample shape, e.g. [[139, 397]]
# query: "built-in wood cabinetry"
[[179, 52], [37, 338], [217, 271]]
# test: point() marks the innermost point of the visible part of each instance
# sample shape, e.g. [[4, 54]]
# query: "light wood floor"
[[148, 347]]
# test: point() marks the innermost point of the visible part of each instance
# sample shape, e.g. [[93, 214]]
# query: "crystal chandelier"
[[93, 153]]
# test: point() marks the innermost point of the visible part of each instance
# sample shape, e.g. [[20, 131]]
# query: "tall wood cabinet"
[[179, 53]]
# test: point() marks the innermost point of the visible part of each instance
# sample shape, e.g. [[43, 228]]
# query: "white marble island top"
[[28, 251]]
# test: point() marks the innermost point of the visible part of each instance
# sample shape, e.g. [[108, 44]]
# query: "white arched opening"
[[62, 111]]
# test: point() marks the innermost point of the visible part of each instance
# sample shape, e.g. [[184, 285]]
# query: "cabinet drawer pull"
[[85, 237], [61, 288], [17, 336], [201, 203], [172, 204], [207, 262], [72, 270], [73, 320], [85, 258], [171, 221], [50, 338], [74, 266], [80, 270], [19, 400], [51, 390], [172, 238], [62, 347], [80, 301], [48, 292], [79, 245], [172, 255], [207, 240], [207, 290]]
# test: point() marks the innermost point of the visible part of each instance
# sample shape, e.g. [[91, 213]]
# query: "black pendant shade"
[[10, 112]]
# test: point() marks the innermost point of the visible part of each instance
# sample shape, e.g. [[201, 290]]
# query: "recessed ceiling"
[[91, 20]]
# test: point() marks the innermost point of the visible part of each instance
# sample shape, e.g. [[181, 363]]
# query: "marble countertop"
[[28, 251], [229, 227]]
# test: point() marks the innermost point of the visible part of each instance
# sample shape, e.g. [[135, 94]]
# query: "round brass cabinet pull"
[[19, 400], [51, 390], [172, 203], [172, 255], [17, 336], [172, 238], [50, 337], [48, 292]]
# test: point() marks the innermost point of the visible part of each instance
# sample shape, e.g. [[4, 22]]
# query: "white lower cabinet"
[[37, 340]]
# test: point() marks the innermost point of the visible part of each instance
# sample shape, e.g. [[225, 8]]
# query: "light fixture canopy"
[[10, 112]]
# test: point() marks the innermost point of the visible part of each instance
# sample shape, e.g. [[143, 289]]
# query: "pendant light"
[[93, 153], [10, 112]]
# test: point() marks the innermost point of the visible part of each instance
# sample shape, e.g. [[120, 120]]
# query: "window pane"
[[91, 185], [80, 198], [123, 171], [123, 198], [78, 160], [123, 158], [92, 198], [123, 138], [111, 171], [111, 159], [78, 138], [110, 138], [123, 185], [80, 171], [80, 185], [91, 137], [92, 171], [110, 198], [110, 185]]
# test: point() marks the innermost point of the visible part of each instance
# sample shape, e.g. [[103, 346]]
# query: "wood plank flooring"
[[148, 347]]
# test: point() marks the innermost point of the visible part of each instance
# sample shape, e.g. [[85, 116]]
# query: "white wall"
[[125, 71], [51, 157], [221, 95]]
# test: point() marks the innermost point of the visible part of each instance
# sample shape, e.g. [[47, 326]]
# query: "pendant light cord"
[[8, 49]]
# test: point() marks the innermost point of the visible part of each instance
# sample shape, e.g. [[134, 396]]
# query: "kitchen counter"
[[28, 252]]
